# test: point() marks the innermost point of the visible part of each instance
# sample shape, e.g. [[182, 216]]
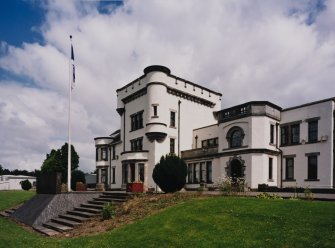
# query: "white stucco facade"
[[161, 113]]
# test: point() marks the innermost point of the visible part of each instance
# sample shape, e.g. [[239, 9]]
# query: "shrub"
[[26, 185], [268, 196], [170, 173], [108, 211], [229, 185]]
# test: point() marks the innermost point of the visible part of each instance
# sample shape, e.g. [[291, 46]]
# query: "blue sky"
[[279, 51], [20, 21]]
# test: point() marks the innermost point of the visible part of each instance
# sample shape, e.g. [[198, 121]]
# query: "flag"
[[73, 66]]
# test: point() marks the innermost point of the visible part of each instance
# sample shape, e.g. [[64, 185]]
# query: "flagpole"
[[69, 126]]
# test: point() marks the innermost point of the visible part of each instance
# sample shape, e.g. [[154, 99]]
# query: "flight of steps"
[[77, 216]]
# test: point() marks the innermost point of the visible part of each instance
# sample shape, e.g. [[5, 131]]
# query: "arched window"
[[235, 137]]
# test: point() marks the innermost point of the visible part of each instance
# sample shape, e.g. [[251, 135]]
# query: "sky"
[[267, 50]]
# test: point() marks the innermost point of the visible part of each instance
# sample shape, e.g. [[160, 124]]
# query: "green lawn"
[[212, 222]]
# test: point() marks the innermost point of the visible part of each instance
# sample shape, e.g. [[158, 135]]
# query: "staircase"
[[77, 216]]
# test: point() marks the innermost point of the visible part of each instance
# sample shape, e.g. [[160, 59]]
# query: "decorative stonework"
[[229, 164]]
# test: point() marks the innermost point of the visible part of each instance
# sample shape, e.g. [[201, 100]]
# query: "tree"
[[26, 184], [56, 161], [170, 173], [77, 176]]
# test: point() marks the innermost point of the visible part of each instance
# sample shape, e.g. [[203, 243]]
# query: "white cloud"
[[248, 50]]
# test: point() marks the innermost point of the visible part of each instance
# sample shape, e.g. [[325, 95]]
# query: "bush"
[[26, 185], [265, 195], [77, 176], [170, 173], [229, 185], [108, 211]]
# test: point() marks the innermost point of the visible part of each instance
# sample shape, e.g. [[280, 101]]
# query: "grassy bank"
[[210, 222]]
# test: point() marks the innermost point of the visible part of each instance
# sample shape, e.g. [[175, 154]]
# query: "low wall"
[[43, 207]]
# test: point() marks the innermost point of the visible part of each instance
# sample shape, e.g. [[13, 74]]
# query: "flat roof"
[[310, 103]]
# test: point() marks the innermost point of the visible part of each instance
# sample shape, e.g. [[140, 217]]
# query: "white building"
[[259, 141], [13, 182]]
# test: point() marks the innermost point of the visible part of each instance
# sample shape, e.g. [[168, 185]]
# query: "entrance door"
[[235, 169]]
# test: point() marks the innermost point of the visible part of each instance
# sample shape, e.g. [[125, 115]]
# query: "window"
[[284, 136], [209, 143], [295, 134], [113, 175], [155, 110], [209, 171], [272, 134], [202, 172], [289, 168], [312, 173], [141, 172], [104, 153], [136, 144], [172, 141], [113, 152], [132, 172], [172, 119], [235, 137], [195, 174], [313, 131], [270, 168], [190, 172], [136, 121], [290, 134], [199, 172], [125, 173], [97, 154]]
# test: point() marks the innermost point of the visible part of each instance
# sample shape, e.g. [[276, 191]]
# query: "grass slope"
[[212, 222]]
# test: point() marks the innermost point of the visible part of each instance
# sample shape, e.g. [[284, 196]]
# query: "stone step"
[[105, 200], [88, 210], [98, 202], [57, 227], [10, 211], [94, 206], [46, 231], [65, 222], [116, 195], [81, 214], [73, 217]]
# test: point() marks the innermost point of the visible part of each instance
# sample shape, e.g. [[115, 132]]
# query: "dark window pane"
[[172, 119], [270, 168], [312, 131], [236, 138], [295, 134], [209, 171], [289, 168], [312, 168]]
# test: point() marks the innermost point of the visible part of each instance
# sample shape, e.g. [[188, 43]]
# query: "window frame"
[[312, 173], [172, 118], [136, 121], [313, 133], [270, 176], [289, 169]]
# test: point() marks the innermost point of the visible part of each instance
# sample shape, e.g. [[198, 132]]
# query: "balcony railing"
[[198, 153]]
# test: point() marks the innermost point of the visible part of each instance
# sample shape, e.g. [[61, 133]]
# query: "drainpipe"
[[281, 157], [179, 102]]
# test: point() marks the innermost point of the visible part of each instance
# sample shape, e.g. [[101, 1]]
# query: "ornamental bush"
[[26, 185], [170, 173], [108, 211]]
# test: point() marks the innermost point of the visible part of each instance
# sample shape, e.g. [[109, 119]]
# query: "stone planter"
[[81, 186], [135, 187], [100, 187]]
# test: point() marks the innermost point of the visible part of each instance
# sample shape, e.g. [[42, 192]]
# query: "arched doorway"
[[236, 169]]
